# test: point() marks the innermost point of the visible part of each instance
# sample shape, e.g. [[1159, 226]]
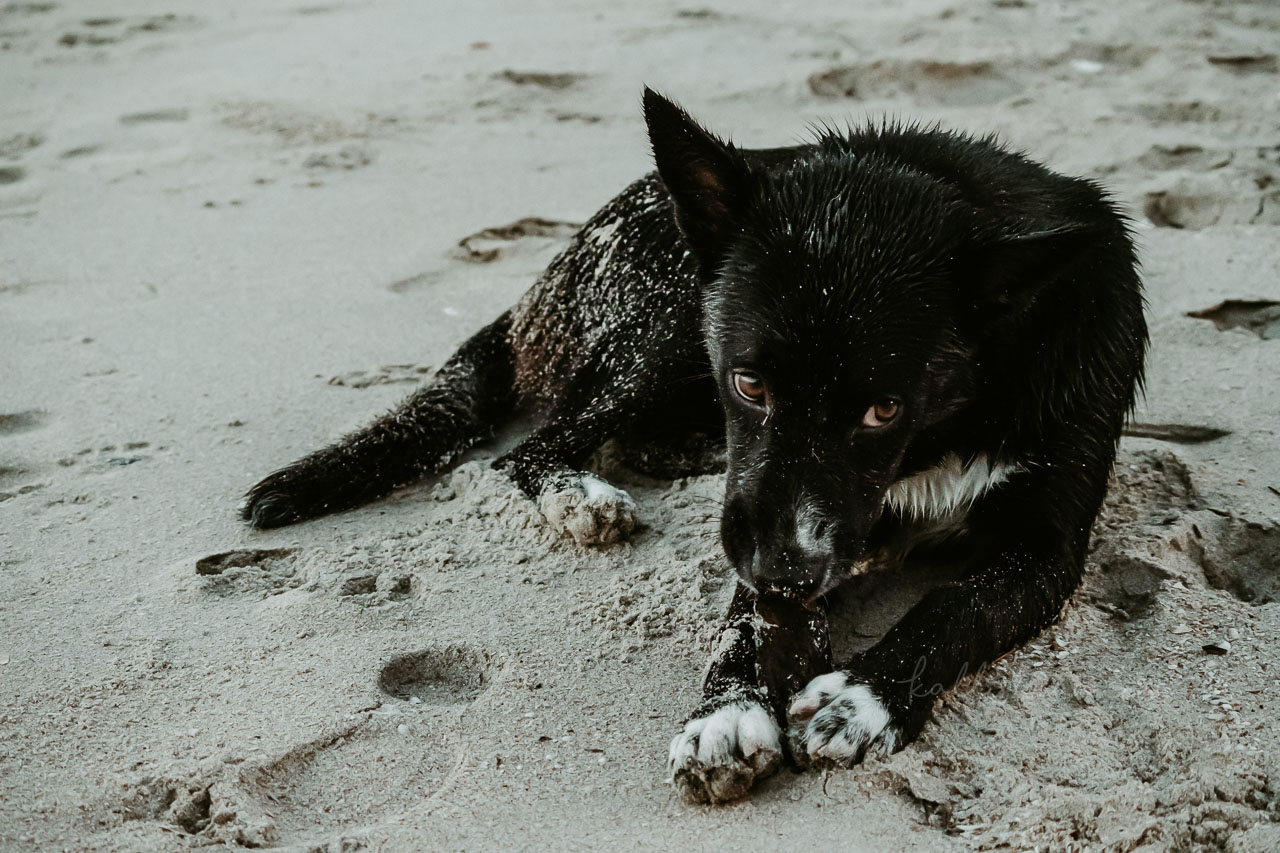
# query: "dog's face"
[[835, 346], [832, 324]]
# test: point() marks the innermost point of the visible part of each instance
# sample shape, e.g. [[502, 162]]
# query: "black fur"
[[995, 302]]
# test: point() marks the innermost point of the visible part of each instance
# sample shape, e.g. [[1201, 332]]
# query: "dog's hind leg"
[[461, 406], [671, 457], [683, 437]]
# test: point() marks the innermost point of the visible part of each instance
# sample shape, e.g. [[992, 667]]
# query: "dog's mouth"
[[810, 593], [832, 579]]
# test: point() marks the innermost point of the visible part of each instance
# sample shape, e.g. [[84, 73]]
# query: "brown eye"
[[750, 387], [882, 413]]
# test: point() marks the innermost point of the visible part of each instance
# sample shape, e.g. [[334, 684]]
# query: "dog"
[[894, 336]]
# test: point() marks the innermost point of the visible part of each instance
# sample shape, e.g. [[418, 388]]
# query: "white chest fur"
[[940, 494]]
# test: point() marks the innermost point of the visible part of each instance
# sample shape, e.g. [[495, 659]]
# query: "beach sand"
[[231, 232]]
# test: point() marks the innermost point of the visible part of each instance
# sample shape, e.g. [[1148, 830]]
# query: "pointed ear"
[[1017, 265], [708, 179]]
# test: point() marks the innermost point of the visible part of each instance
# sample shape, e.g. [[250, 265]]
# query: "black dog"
[[905, 335]]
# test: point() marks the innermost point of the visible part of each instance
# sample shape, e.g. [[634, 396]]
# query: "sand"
[[230, 232]]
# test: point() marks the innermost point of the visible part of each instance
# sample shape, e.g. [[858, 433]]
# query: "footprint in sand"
[[346, 158], [20, 143], [109, 456], [1151, 495], [102, 31], [293, 127], [386, 375], [22, 422], [174, 799], [1127, 584], [1156, 528], [28, 8], [541, 79], [1195, 202], [80, 151], [540, 87], [415, 282], [941, 83], [1184, 112], [26, 489], [174, 114], [372, 589], [438, 676], [390, 761], [1240, 555], [1245, 63], [1213, 186], [11, 475], [265, 572], [489, 244], [1191, 158], [958, 84]]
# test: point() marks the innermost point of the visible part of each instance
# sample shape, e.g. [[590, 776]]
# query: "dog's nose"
[[791, 570]]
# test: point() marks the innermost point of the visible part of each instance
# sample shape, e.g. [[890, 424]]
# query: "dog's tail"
[[463, 403]]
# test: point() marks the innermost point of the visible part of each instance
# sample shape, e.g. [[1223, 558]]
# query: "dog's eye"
[[750, 387], [882, 413]]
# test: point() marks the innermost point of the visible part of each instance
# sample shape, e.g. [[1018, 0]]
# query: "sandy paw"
[[718, 757], [835, 720], [589, 509]]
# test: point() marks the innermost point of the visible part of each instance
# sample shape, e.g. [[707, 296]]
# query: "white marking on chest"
[[938, 493]]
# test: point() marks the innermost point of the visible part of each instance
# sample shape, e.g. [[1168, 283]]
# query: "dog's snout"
[[791, 569], [789, 546]]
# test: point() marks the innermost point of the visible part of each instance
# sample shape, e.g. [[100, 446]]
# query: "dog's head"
[[839, 297]]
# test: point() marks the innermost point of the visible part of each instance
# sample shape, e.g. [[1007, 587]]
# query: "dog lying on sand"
[[894, 336]]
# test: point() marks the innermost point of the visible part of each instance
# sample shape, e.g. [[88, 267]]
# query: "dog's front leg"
[[879, 701], [731, 739], [575, 502]]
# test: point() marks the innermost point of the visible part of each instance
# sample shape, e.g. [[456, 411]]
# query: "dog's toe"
[[589, 509], [719, 757], [839, 720]]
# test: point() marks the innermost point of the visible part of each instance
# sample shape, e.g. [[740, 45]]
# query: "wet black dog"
[[905, 335]]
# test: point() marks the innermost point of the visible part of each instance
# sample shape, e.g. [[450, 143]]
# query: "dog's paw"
[[589, 509], [718, 757], [312, 486], [842, 721], [273, 503]]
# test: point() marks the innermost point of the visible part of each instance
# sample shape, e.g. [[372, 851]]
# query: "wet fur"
[[999, 299]]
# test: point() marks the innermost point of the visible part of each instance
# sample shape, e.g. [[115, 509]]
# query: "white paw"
[[718, 757], [838, 721], [589, 509]]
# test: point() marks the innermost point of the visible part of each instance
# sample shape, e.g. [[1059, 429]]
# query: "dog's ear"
[[1017, 263], [708, 179]]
